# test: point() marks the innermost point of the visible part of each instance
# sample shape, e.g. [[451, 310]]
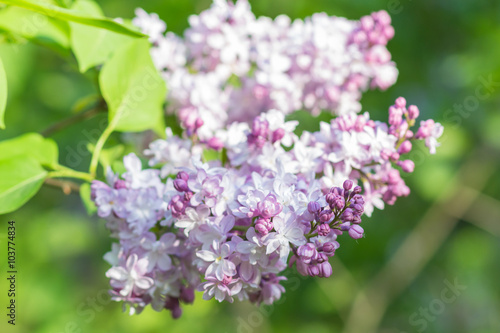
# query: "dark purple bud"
[[325, 269], [339, 203], [345, 226], [322, 257], [348, 184], [183, 175], [187, 295], [323, 229], [188, 195], [347, 215], [358, 208], [120, 183], [313, 270], [181, 185], [329, 249], [356, 219], [357, 190], [325, 216], [176, 312], [356, 231], [313, 207], [278, 135], [330, 198]]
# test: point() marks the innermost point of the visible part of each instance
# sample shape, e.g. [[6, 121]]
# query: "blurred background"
[[429, 264]]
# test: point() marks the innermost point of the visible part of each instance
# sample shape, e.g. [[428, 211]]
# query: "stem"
[[66, 185], [64, 172], [98, 147], [71, 120]]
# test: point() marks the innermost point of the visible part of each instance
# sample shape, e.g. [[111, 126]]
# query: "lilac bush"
[[238, 197]]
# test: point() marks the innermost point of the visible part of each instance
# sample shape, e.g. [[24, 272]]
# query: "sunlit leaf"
[[22, 177], [133, 89]]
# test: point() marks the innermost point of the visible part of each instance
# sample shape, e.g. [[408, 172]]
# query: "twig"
[[72, 120], [66, 185]]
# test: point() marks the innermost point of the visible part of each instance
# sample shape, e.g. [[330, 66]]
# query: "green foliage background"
[[447, 229]]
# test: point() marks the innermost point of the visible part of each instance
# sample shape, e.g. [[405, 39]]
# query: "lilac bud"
[[183, 175], [215, 143], [188, 195], [385, 154], [278, 135], [181, 185], [348, 184], [345, 226], [270, 207], [347, 215], [400, 102], [260, 127], [325, 269], [330, 198], [413, 112], [407, 165], [329, 249], [322, 257], [313, 207], [356, 231], [120, 183], [395, 116], [356, 219], [187, 295], [395, 156], [325, 216], [357, 190], [176, 312], [358, 208], [261, 228], [313, 270], [307, 252], [198, 123], [339, 203], [323, 229], [405, 147]]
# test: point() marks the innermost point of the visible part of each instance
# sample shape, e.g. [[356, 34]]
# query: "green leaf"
[[35, 27], [33, 144], [3, 94], [73, 16], [20, 178], [133, 89], [87, 201], [92, 46]]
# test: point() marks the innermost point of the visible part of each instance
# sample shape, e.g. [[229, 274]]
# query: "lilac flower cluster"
[[230, 66], [229, 226]]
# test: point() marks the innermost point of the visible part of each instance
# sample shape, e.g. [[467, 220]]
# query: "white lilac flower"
[[131, 278], [193, 218], [287, 231], [220, 265]]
